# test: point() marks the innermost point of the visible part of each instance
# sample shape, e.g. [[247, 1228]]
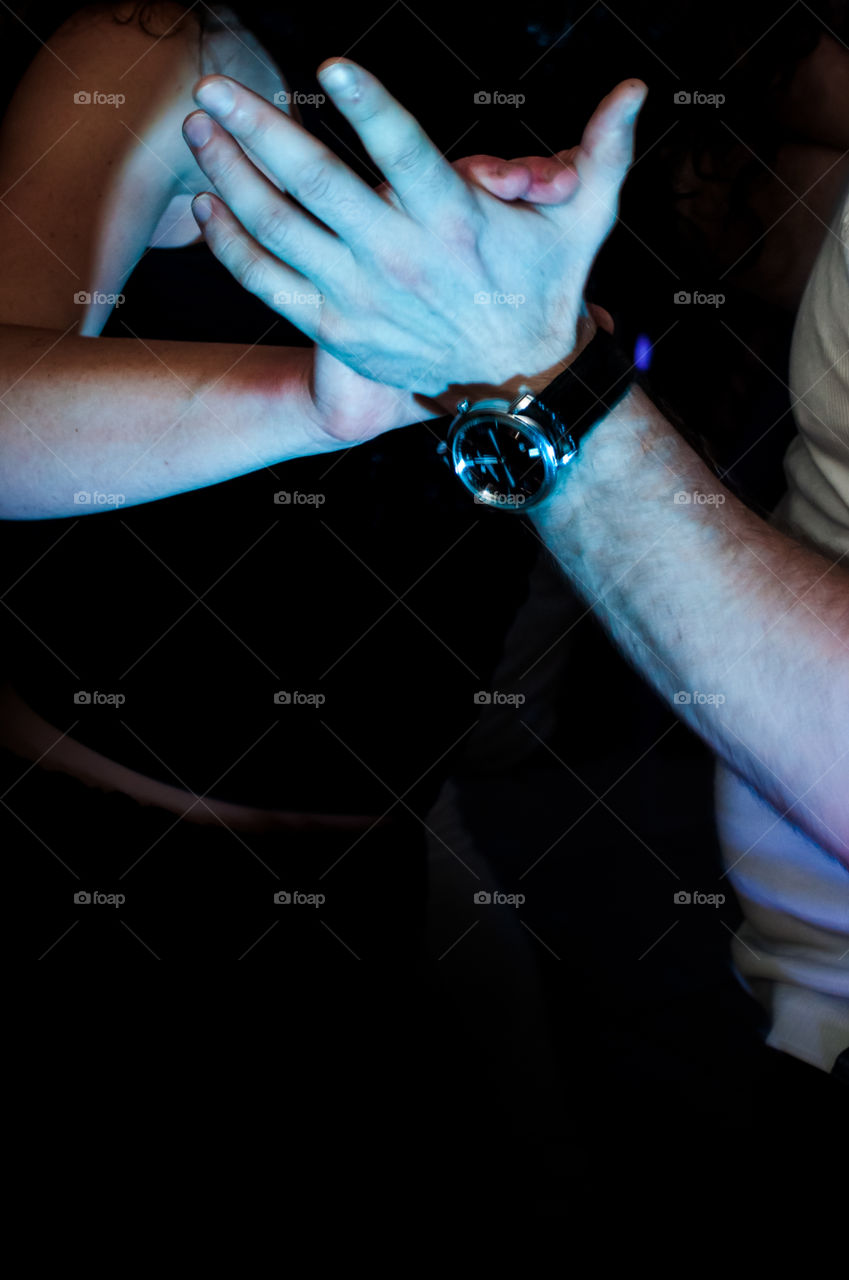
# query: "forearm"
[[708, 600], [142, 419]]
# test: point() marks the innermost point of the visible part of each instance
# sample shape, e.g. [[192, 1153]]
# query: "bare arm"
[[709, 601], [142, 420], [83, 188]]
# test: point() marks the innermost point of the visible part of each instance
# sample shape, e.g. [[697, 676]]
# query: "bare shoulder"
[[139, 50], [102, 56], [91, 156]]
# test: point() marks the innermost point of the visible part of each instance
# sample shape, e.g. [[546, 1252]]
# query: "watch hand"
[[486, 464], [510, 479]]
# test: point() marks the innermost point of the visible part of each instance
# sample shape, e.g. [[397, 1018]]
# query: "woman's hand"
[[442, 282]]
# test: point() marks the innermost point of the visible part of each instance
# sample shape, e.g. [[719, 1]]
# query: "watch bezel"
[[499, 412]]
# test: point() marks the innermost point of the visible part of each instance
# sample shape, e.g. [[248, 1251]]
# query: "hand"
[[389, 287]]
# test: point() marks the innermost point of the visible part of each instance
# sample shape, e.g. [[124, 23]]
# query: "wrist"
[[520, 383], [631, 455]]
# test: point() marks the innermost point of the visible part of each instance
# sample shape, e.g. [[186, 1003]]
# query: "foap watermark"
[[685, 299], [484, 299], [95, 898], [94, 98], [285, 98], [492, 499], [696, 98], [290, 497], [297, 898], [297, 298], [94, 698], [696, 898], [496, 898], [694, 697], [297, 698], [495, 98], [85, 299], [94, 498], [495, 697], [698, 499]]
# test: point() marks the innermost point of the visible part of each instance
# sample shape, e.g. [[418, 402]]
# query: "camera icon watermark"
[[297, 298], [697, 299], [94, 498], [285, 98], [496, 898], [687, 697], [87, 697], [296, 898], [490, 498], [83, 98], [483, 98], [96, 898], [83, 298], [295, 697], [484, 299], [696, 98], [290, 497], [498, 698], [682, 899], [683, 498]]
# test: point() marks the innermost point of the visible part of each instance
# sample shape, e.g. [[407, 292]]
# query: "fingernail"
[[197, 130], [217, 96], [202, 208], [339, 77]]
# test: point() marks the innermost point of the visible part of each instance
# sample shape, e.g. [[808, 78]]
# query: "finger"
[[506, 179], [405, 155], [278, 224], [537, 179], [602, 318], [308, 170], [552, 179], [607, 148], [280, 287]]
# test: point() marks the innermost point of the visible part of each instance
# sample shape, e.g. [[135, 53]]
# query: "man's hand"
[[445, 283]]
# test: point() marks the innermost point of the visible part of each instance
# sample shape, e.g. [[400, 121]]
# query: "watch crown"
[[463, 406]]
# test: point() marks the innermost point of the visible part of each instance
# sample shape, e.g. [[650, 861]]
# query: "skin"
[[84, 191], [393, 282], [656, 572], [190, 414]]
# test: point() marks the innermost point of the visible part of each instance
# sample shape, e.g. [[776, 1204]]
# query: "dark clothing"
[[298, 600]]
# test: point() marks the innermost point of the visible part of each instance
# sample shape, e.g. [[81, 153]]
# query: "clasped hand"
[[446, 276]]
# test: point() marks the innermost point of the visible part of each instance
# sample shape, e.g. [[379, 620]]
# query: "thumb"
[[607, 146]]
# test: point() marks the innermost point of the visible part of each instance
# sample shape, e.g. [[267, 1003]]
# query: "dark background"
[[647, 1021]]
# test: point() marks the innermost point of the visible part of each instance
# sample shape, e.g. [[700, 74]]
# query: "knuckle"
[[273, 227], [251, 274], [461, 228], [224, 169], [315, 182], [407, 155], [251, 123]]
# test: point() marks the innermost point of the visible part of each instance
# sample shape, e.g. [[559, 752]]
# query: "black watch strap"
[[587, 390]]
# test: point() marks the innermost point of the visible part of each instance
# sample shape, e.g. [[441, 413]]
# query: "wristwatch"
[[509, 454]]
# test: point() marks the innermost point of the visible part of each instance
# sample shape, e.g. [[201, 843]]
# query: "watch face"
[[504, 463]]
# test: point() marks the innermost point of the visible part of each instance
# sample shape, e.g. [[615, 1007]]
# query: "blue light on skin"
[[642, 351]]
